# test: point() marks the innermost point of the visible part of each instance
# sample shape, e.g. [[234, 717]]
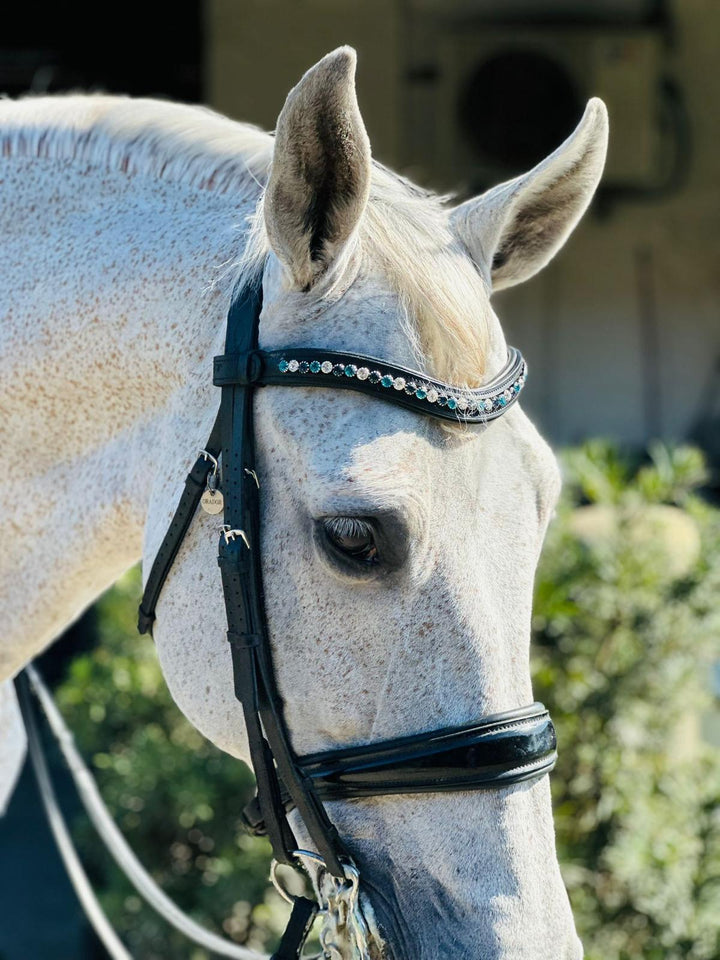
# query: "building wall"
[[580, 321], [258, 49], [622, 331]]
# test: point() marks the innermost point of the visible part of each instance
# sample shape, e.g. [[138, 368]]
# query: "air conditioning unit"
[[504, 98]]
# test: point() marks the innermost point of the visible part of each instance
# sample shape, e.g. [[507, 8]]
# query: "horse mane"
[[176, 142], [404, 232]]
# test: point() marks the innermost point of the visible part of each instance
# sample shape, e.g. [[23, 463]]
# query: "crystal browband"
[[409, 388]]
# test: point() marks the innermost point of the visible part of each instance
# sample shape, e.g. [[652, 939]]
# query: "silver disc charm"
[[212, 502]]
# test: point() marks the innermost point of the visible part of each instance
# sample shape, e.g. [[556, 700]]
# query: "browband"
[[310, 367]]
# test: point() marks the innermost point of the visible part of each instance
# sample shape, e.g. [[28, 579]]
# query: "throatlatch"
[[494, 752]]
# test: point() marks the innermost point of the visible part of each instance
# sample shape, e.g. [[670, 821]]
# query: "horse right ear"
[[320, 177], [514, 229]]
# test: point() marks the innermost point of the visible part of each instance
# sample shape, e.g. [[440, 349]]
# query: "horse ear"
[[514, 229], [320, 176]]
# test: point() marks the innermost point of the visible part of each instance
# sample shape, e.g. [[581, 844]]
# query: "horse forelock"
[[404, 236], [405, 233]]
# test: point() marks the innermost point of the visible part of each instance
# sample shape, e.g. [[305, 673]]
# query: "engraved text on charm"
[[212, 501]]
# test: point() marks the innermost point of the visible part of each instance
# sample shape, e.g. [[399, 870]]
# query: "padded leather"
[[491, 753], [497, 751]]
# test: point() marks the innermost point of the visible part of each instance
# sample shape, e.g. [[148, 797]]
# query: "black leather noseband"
[[495, 751], [499, 750]]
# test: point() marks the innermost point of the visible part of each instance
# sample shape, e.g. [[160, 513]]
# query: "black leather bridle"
[[495, 751]]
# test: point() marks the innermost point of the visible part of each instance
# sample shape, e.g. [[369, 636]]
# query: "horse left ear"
[[320, 177], [514, 229]]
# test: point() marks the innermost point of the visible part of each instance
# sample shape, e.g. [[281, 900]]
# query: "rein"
[[493, 752]]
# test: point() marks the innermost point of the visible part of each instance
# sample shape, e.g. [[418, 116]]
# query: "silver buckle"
[[231, 534]]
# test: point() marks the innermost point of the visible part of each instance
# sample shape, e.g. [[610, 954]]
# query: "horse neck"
[[112, 312]]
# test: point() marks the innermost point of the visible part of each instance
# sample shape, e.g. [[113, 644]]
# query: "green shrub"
[[626, 630], [626, 627]]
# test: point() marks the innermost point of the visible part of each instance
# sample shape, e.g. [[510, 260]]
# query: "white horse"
[[124, 225]]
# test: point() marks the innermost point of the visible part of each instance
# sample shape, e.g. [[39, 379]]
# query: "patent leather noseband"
[[493, 752], [499, 750]]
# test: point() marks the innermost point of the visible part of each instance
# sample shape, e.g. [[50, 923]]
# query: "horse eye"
[[353, 537]]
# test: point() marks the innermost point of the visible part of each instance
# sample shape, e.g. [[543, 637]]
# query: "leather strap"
[[195, 484], [497, 751], [241, 571], [403, 386], [296, 933]]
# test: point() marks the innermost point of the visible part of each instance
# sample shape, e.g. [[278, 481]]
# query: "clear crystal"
[[326, 366], [363, 373], [399, 383], [293, 366], [432, 395]]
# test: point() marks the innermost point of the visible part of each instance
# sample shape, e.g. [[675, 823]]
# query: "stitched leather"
[[488, 754], [244, 604], [497, 751], [238, 369]]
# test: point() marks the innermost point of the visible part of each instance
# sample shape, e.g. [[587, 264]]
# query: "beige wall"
[[258, 49], [579, 322]]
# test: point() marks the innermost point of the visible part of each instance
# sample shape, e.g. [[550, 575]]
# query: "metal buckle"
[[231, 534], [343, 918], [212, 480]]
